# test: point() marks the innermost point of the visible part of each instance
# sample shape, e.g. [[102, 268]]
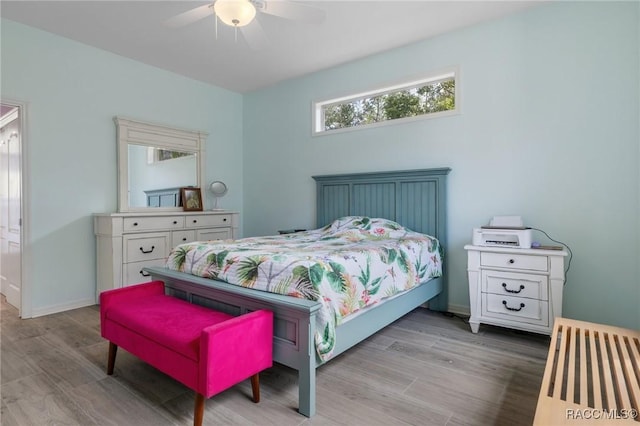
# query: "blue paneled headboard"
[[415, 199]]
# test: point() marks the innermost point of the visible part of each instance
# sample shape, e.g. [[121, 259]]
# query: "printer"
[[503, 231]]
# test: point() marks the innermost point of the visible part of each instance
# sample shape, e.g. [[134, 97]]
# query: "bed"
[[415, 199]]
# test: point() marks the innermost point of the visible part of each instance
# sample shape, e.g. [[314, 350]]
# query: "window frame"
[[318, 107]]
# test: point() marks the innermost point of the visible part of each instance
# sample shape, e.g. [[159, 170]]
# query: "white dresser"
[[128, 242], [516, 288]]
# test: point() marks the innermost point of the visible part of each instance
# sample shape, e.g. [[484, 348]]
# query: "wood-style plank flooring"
[[424, 369]]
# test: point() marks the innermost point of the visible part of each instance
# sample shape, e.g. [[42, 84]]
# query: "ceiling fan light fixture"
[[235, 13]]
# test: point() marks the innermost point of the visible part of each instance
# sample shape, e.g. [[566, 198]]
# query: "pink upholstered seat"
[[206, 350], [163, 320]]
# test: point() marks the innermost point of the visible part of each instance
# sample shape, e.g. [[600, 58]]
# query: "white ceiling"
[[350, 30]]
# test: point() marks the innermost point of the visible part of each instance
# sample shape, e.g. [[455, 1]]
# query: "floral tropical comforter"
[[349, 264]]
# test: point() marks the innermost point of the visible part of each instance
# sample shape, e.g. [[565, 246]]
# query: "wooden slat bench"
[[592, 376]]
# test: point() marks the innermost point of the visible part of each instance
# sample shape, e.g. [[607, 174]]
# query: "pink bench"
[[206, 350]]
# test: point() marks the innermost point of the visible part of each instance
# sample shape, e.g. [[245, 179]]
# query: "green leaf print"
[[316, 273], [180, 257], [335, 277], [365, 223], [248, 270], [403, 261], [375, 286], [388, 255]]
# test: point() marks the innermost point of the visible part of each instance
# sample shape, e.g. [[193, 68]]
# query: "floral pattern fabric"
[[348, 265]]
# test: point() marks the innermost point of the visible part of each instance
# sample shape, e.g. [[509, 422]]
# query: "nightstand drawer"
[[514, 284], [531, 311], [514, 261]]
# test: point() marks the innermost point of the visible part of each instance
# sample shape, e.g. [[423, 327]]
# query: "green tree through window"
[[427, 97]]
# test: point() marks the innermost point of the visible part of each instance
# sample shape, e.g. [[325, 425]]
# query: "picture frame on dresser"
[[191, 199]]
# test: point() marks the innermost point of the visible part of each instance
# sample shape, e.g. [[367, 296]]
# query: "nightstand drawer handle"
[[504, 285], [512, 261], [147, 251], [504, 302]]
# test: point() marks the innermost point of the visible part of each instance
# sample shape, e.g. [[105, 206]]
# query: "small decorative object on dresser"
[[191, 199], [218, 189], [515, 287]]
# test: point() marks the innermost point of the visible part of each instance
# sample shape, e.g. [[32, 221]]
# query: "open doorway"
[[11, 235]]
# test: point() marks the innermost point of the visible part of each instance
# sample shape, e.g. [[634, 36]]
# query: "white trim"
[[317, 107], [63, 307]]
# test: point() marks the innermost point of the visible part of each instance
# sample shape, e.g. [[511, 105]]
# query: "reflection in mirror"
[[156, 175]]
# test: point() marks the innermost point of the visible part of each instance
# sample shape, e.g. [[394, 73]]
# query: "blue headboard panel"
[[416, 199]]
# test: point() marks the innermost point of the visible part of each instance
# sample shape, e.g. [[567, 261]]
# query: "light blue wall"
[[548, 130], [73, 92]]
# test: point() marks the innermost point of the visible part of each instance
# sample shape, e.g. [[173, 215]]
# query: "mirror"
[[218, 189], [154, 162]]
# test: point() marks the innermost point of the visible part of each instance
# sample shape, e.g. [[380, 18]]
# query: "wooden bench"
[[206, 350], [592, 376]]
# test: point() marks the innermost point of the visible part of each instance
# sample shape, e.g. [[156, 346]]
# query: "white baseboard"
[[55, 309]]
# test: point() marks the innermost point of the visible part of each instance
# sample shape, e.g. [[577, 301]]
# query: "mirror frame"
[[136, 132]]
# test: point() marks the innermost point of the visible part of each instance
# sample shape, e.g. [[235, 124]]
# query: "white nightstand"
[[515, 288]]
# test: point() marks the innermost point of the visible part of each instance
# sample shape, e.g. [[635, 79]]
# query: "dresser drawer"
[[141, 223], [213, 234], [513, 261], [514, 284], [133, 273], [206, 221], [181, 237], [519, 309], [138, 247]]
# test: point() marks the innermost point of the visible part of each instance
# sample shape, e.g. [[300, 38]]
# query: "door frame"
[[26, 308]]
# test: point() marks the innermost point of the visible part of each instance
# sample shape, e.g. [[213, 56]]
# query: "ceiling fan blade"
[[190, 16], [295, 11], [255, 36]]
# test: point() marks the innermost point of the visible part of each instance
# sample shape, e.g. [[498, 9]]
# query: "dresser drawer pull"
[[512, 261], [504, 285], [147, 251], [504, 302], [175, 222], [184, 239], [135, 223], [144, 274], [195, 221], [224, 219]]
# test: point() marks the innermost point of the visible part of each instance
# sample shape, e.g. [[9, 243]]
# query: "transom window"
[[428, 97]]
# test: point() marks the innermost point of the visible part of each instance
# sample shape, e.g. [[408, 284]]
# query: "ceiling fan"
[[241, 14]]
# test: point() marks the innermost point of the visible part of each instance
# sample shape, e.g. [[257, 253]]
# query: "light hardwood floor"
[[424, 369]]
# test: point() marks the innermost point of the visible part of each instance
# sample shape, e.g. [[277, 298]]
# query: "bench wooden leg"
[[255, 387], [113, 349], [198, 411]]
